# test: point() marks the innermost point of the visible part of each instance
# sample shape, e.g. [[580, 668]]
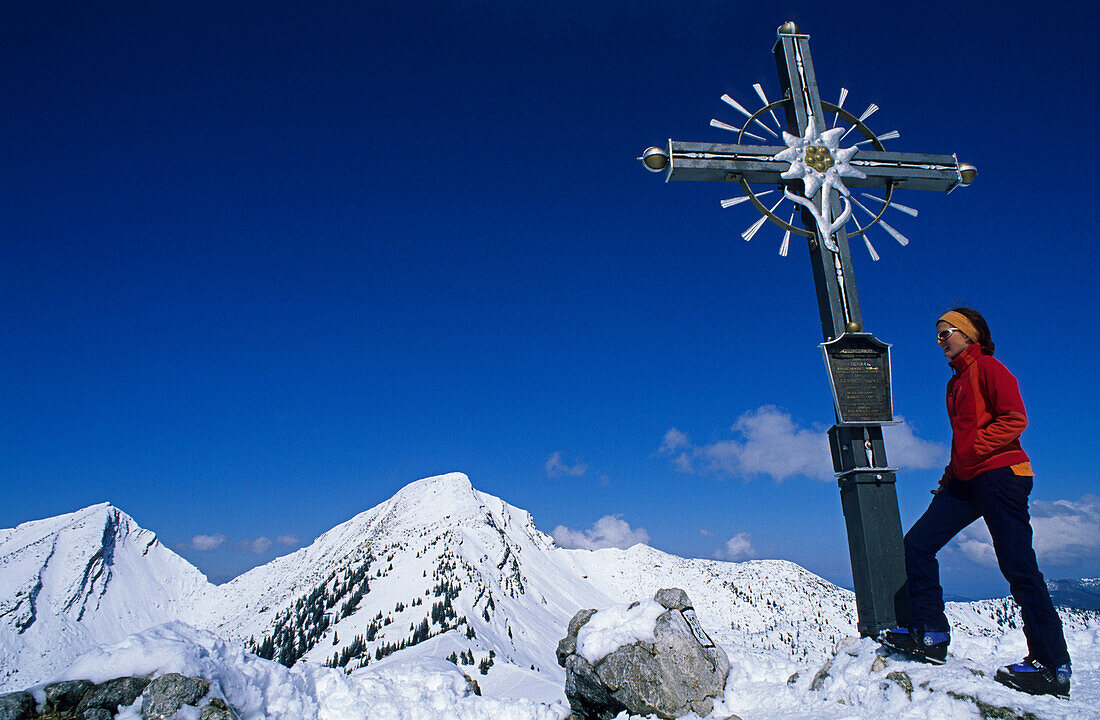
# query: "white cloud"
[[975, 543], [768, 442], [674, 440], [206, 542], [738, 547], [289, 540], [905, 450], [1066, 533], [607, 532], [555, 467], [258, 545]]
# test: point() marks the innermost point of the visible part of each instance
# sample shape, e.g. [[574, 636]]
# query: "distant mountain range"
[[1083, 594], [438, 569]]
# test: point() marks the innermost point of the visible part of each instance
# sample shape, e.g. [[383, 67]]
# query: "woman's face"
[[955, 343]]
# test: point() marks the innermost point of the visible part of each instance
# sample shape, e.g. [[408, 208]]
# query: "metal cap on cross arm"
[[655, 159]]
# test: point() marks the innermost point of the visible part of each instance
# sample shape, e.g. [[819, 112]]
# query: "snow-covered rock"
[[650, 658]]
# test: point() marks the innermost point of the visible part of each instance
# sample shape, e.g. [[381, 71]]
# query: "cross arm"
[[718, 162]]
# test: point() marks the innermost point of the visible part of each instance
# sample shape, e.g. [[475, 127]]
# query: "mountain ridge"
[[74, 581], [439, 569]]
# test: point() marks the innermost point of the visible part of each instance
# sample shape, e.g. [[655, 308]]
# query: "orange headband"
[[960, 321]]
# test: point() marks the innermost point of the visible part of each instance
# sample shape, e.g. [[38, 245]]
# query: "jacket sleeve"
[[1004, 404], [947, 477]]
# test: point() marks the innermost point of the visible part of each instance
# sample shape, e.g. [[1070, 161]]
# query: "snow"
[[860, 684], [763, 684], [77, 580], [617, 626], [415, 689], [102, 592]]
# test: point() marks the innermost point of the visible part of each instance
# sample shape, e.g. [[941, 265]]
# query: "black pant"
[[999, 496]]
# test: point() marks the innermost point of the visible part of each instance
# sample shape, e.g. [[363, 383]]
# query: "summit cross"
[[816, 174]]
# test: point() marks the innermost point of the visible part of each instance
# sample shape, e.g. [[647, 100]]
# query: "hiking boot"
[[929, 647], [1034, 678]]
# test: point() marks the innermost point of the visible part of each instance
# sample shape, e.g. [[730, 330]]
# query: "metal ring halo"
[[851, 120]]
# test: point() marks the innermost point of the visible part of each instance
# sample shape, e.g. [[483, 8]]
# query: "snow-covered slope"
[[442, 571], [438, 563], [765, 604], [439, 569], [72, 582]]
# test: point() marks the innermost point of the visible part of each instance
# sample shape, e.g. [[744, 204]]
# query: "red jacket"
[[987, 417]]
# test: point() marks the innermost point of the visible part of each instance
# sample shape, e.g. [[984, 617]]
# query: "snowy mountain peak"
[[454, 484], [84, 578], [432, 501], [67, 560]]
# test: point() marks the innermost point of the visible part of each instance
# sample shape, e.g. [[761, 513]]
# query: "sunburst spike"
[[773, 132], [912, 212], [863, 207], [840, 103], [866, 240], [902, 240], [896, 205], [759, 223], [730, 202], [783, 247], [760, 91], [731, 128], [737, 106], [870, 248], [754, 228], [892, 135], [871, 110]]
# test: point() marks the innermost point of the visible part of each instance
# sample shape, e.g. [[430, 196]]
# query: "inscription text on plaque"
[[859, 374]]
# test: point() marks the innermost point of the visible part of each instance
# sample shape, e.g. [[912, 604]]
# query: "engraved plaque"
[[697, 629], [859, 374]]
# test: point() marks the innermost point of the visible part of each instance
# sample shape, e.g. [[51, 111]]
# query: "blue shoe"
[[929, 647], [1034, 678]]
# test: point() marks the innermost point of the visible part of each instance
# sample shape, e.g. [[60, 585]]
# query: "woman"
[[989, 476]]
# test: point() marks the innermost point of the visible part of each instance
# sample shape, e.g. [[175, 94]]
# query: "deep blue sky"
[[265, 263]]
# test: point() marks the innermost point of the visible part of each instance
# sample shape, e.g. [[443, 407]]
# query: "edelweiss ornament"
[[818, 161]]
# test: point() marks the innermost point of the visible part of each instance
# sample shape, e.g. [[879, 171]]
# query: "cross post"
[[866, 482]]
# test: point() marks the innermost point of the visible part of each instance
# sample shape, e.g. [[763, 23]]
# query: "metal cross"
[[809, 168]]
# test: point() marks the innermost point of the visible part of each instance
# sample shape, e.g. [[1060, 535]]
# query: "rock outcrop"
[[160, 699], [672, 671]]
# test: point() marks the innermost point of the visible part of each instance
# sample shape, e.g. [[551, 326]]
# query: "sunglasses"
[[944, 334]]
